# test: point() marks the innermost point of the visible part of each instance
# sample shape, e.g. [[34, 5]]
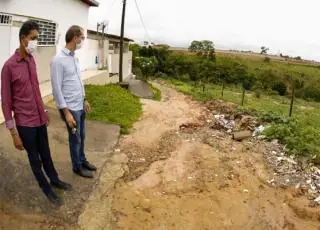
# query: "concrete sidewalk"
[[140, 89], [19, 191]]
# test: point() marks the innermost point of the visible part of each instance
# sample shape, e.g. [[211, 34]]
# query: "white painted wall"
[[92, 53], [64, 12], [4, 44]]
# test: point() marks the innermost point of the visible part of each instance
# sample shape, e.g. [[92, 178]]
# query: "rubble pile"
[[288, 170], [219, 106]]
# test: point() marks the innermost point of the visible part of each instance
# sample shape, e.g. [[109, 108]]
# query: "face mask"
[[32, 46], [79, 46]]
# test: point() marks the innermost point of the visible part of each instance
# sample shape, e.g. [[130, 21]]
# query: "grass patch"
[[156, 93], [301, 134], [112, 104]]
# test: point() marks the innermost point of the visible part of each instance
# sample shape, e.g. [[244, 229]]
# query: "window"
[[5, 19], [47, 35]]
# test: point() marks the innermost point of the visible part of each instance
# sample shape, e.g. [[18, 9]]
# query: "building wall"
[[63, 12], [127, 64], [43, 57]]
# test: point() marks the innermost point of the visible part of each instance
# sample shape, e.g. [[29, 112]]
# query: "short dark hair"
[[27, 27], [73, 31]]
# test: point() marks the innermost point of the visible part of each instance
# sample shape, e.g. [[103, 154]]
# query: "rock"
[[140, 160], [245, 191], [145, 203], [238, 136], [317, 200]]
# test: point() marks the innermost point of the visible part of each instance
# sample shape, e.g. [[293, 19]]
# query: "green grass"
[[301, 134], [256, 65], [156, 93], [112, 104]]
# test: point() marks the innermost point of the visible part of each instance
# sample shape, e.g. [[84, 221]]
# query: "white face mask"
[[32, 46], [79, 46]]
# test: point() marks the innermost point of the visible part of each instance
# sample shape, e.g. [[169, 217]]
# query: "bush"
[[267, 59], [161, 75], [272, 117], [280, 87], [299, 137], [257, 94], [309, 93]]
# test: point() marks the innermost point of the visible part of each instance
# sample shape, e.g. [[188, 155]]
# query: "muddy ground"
[[162, 177], [199, 178]]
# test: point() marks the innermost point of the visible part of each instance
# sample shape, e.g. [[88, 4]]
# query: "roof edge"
[[91, 2], [111, 36]]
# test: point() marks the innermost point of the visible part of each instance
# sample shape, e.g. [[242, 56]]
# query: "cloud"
[[288, 26]]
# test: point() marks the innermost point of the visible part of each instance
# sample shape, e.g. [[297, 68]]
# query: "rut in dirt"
[[197, 177]]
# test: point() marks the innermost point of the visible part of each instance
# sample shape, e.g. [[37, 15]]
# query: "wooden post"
[[243, 94], [222, 91], [121, 41], [292, 99]]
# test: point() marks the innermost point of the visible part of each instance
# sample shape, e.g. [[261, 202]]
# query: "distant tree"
[[135, 48], [203, 48], [206, 70], [196, 47], [224, 76], [246, 79], [147, 66], [264, 50]]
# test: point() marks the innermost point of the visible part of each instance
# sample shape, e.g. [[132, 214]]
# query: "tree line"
[[201, 66]]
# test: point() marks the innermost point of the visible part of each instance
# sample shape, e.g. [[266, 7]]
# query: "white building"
[[54, 18]]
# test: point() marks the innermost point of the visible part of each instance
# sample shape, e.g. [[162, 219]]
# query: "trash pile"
[[235, 123], [223, 122], [289, 171]]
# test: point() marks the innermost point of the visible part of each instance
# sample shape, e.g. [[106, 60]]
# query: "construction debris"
[[288, 170], [221, 122], [238, 136]]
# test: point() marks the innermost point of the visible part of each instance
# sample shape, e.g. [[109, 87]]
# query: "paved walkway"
[[140, 89], [19, 192]]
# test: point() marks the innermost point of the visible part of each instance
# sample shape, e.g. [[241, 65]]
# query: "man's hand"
[[87, 106], [70, 120], [17, 140]]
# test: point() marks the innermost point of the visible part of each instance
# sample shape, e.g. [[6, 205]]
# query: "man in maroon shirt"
[[21, 96]]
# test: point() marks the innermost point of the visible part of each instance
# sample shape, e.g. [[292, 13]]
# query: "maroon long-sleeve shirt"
[[20, 93]]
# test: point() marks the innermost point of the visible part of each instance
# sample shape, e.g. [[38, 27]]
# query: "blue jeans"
[[76, 140]]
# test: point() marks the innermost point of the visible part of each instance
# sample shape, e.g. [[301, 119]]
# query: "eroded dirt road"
[[195, 178], [198, 178]]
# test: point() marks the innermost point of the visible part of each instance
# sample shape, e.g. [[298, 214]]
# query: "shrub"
[[280, 87], [309, 93], [267, 59]]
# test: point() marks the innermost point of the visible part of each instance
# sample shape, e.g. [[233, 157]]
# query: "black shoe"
[[61, 185], [83, 173], [89, 166], [54, 199]]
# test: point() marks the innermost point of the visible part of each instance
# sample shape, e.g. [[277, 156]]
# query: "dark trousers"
[[77, 139], [36, 143]]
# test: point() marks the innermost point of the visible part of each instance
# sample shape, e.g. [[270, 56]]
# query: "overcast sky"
[[287, 26]]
